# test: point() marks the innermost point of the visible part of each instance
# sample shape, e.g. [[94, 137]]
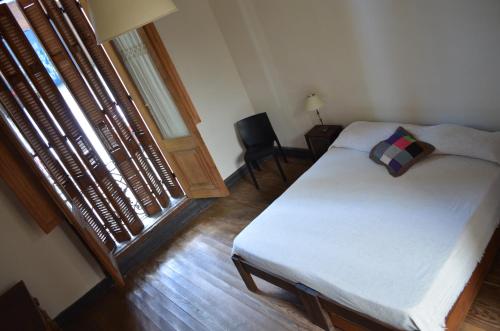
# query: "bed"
[[366, 251]]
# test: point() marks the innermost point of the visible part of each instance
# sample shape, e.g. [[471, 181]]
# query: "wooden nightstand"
[[320, 137]]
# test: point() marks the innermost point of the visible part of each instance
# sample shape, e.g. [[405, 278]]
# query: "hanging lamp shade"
[[111, 18]]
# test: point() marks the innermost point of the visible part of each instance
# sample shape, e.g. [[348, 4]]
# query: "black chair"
[[258, 136]]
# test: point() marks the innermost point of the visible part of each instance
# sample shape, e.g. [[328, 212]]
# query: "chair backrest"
[[256, 130]]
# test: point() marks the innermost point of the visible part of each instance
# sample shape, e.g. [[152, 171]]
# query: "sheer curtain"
[[150, 84]]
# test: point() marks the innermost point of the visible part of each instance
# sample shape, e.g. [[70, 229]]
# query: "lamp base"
[[324, 129]]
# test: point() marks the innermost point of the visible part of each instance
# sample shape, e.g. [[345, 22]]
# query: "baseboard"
[[299, 153], [235, 177], [167, 230], [83, 303], [162, 235], [137, 254]]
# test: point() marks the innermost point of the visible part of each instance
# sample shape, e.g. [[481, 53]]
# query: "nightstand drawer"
[[320, 137], [319, 146]]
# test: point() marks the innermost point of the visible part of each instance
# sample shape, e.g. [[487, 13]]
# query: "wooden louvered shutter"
[[20, 46], [103, 124], [189, 157], [80, 185], [96, 246], [138, 128], [74, 117], [57, 173], [16, 161], [33, 194]]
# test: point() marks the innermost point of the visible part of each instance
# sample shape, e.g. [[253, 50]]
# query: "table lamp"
[[314, 103]]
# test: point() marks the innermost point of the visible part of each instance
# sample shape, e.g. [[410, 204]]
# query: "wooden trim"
[[311, 301], [116, 147], [53, 167], [173, 82], [133, 92], [86, 229], [27, 183], [135, 256], [457, 315], [168, 226], [347, 319], [169, 73], [83, 303], [154, 232], [115, 84], [188, 156], [53, 99], [27, 96], [140, 104], [96, 246], [296, 152], [132, 258], [245, 275]]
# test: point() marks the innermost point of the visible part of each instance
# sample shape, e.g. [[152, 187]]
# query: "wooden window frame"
[[34, 192], [188, 156]]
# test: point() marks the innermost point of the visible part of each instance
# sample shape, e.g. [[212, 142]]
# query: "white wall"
[[421, 61], [54, 267], [205, 65]]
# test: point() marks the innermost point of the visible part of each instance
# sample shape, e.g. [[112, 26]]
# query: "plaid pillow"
[[399, 152]]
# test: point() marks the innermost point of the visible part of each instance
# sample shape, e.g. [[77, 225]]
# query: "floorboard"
[[191, 283]]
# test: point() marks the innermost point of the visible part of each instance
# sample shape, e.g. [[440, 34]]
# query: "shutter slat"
[[56, 171], [77, 85], [50, 163], [110, 107], [56, 141], [141, 132], [19, 170], [106, 259], [21, 47]]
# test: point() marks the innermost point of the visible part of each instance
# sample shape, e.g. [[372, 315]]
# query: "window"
[[161, 105], [102, 127], [64, 101]]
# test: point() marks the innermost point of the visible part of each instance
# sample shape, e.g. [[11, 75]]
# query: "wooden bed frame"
[[328, 314]]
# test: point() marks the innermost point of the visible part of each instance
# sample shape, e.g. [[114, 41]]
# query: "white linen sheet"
[[398, 249]]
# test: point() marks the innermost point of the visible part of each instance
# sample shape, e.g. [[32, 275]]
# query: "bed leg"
[[315, 312], [245, 275]]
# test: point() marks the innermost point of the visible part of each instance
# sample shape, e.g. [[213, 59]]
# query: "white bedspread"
[[398, 249]]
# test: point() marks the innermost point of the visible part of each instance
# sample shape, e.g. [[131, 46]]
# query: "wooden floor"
[[192, 284]]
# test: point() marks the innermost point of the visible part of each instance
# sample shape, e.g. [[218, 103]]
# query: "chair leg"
[[282, 153], [279, 167], [256, 165], [252, 175]]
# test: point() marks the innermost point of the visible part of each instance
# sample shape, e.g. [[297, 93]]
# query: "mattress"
[[397, 249]]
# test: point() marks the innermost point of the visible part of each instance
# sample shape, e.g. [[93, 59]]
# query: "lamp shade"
[[111, 18], [314, 102]]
